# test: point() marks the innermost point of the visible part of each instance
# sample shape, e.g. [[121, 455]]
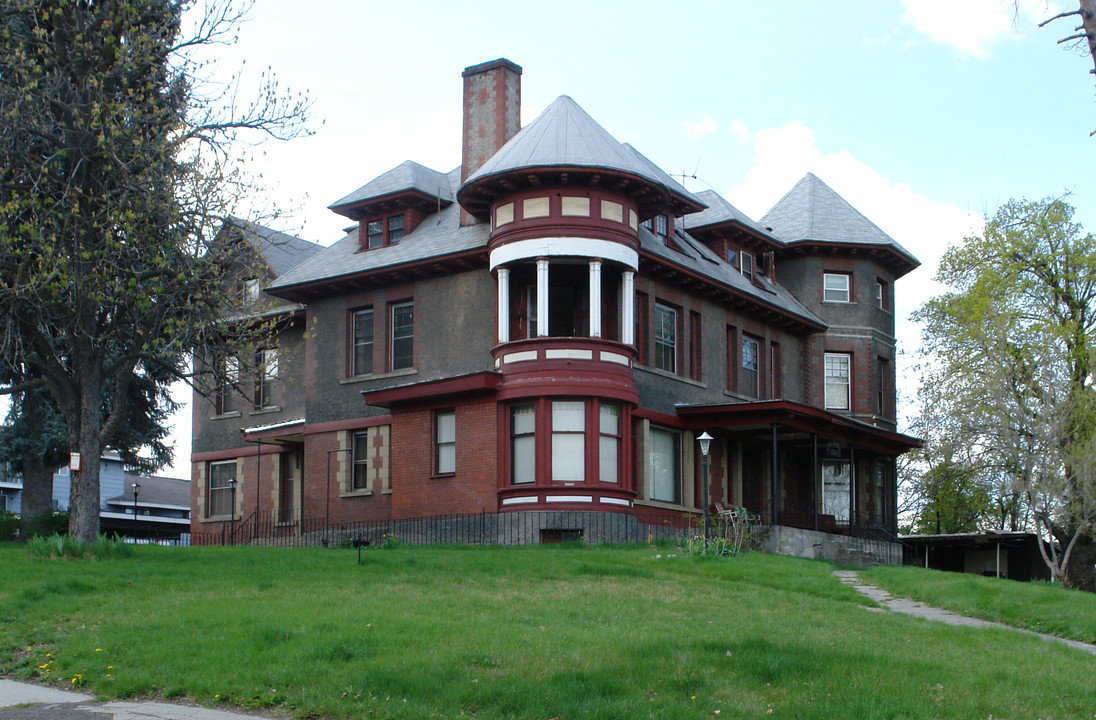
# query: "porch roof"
[[798, 416]]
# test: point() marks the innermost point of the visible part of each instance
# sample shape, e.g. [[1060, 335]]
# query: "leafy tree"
[[1011, 348], [114, 172]]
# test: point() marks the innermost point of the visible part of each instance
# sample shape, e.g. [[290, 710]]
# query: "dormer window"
[[662, 226], [395, 229], [746, 265], [374, 234], [383, 231], [251, 291]]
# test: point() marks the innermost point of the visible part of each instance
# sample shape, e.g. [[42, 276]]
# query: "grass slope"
[[511, 633], [1038, 606]]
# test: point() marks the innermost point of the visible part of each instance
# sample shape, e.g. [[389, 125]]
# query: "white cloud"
[[700, 128], [741, 131], [922, 225], [971, 26]]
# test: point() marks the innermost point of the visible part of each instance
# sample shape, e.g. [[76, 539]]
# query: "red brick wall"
[[417, 492]]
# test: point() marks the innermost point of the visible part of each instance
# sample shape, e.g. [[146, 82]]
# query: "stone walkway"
[[26, 701], [912, 607]]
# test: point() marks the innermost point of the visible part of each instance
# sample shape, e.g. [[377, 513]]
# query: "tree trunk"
[[37, 500], [1080, 571], [84, 500], [37, 497]]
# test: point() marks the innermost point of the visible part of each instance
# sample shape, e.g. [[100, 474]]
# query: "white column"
[[628, 308], [595, 298], [542, 297], [504, 304]]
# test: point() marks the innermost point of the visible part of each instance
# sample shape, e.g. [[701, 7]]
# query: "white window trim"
[[847, 290]]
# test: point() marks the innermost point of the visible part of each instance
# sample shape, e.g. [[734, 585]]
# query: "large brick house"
[[548, 328]]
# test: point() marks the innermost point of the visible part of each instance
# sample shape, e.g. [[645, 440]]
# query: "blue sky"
[[924, 114]]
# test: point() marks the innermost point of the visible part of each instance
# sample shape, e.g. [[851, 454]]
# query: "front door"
[[836, 484]]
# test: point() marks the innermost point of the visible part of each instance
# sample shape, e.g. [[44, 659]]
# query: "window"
[[360, 479], [374, 234], [837, 380], [746, 265], [695, 345], [662, 225], [361, 353], [523, 444], [251, 291], [732, 256], [835, 287], [835, 489], [665, 338], [403, 332], [881, 294], [664, 466], [383, 231], [531, 304], [222, 480], [748, 378], [568, 441], [395, 229], [266, 370], [608, 443], [445, 442]]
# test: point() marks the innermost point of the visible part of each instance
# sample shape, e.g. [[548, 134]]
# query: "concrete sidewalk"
[[25, 701], [912, 607]]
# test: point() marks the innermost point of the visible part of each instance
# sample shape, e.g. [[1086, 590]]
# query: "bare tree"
[[1083, 34]]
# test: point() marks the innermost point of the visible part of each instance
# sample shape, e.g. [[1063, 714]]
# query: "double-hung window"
[[568, 441], [362, 350], [222, 476], [403, 336], [445, 442], [523, 447], [746, 265], [838, 375], [360, 451], [835, 287], [748, 377], [665, 338], [395, 229], [664, 466], [374, 234], [266, 370], [608, 443]]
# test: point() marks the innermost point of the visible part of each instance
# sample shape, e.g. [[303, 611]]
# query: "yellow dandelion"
[[98, 649]]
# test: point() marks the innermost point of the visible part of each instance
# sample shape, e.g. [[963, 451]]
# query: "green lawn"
[[535, 632], [1036, 606]]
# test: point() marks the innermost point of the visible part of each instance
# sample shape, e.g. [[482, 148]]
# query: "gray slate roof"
[[696, 256], [281, 251], [406, 176], [565, 135], [438, 235], [719, 212], [155, 490], [813, 212]]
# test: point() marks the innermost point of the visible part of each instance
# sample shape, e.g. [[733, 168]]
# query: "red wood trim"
[[433, 391]]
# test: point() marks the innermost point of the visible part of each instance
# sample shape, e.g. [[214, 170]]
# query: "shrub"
[[9, 525], [62, 546]]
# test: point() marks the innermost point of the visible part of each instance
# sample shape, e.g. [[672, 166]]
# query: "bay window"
[[568, 441]]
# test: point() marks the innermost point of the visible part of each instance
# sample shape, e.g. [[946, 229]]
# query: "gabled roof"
[[720, 213], [408, 177], [280, 251], [564, 136], [813, 213], [438, 236]]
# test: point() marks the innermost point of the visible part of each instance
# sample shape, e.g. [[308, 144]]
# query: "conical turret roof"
[[565, 138]]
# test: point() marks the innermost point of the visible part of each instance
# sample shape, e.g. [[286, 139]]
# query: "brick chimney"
[[492, 114]]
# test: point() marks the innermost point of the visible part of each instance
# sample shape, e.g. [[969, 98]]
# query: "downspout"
[[854, 492]]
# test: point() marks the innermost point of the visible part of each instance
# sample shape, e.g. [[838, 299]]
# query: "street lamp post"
[[136, 490], [232, 509], [705, 441]]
